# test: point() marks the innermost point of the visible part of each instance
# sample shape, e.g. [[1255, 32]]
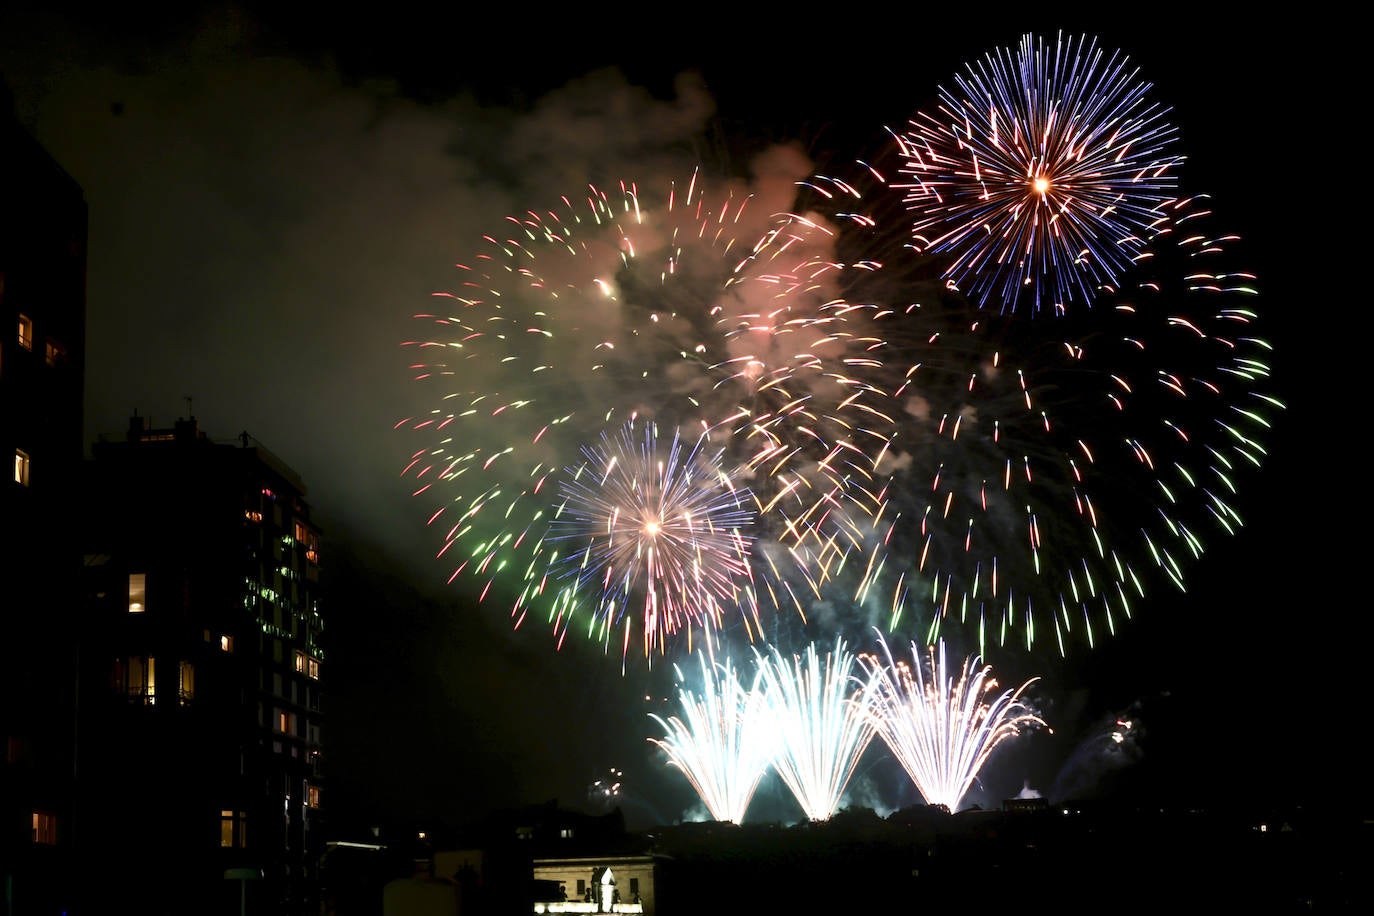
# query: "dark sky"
[[283, 191]]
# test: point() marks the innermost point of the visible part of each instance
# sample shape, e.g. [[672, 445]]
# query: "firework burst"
[[658, 534], [1042, 469], [942, 725], [1041, 175], [871, 434], [617, 309]]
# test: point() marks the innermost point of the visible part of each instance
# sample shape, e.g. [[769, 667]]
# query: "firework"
[[665, 529], [722, 742], [1112, 745], [1043, 469], [865, 424], [604, 792], [819, 722], [1041, 174], [942, 725], [620, 309]]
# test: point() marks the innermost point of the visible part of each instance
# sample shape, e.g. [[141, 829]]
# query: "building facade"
[[597, 884], [547, 859], [43, 218], [198, 749]]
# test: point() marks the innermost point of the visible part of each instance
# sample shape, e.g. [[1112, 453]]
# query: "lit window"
[[286, 722], [312, 796], [26, 332], [186, 683], [253, 515], [21, 467], [44, 828], [312, 545], [300, 662], [138, 584], [54, 354], [226, 643], [233, 829], [134, 677], [312, 668]]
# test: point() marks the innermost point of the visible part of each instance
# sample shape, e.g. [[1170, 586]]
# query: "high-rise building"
[[42, 343], [199, 725]]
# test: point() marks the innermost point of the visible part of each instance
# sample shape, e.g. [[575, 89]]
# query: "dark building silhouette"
[[42, 342], [200, 710], [1066, 857], [160, 629]]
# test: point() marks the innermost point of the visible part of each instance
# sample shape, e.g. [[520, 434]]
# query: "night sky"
[[272, 196]]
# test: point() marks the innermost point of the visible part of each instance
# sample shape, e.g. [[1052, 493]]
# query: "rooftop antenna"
[[189, 412]]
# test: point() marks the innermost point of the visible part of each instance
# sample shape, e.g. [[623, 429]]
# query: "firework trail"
[[942, 725], [722, 742], [616, 309], [820, 723], [1041, 174], [1042, 469]]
